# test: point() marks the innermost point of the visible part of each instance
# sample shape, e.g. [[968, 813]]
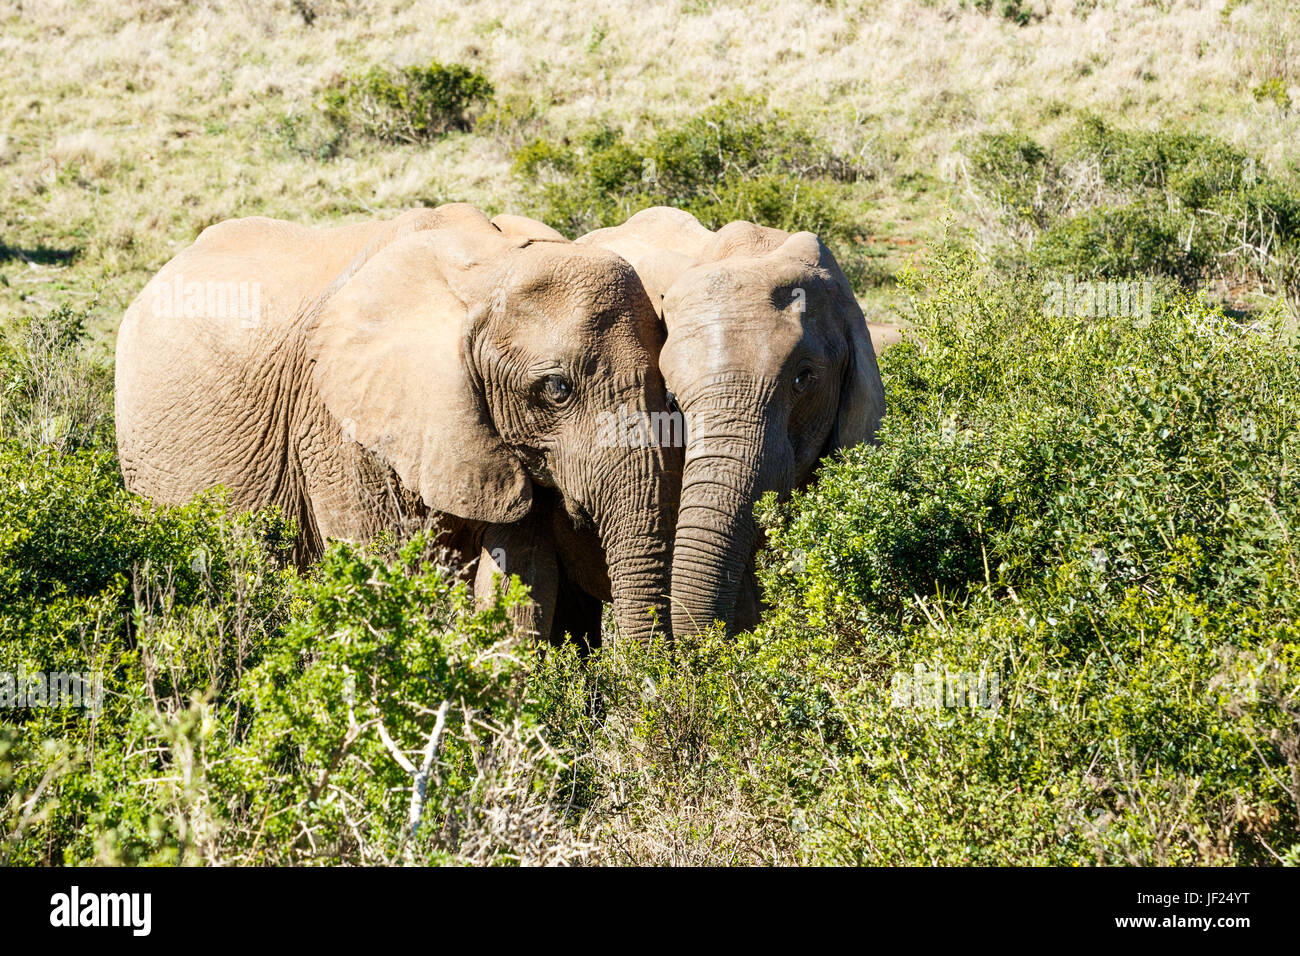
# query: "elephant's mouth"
[[536, 462], [580, 516]]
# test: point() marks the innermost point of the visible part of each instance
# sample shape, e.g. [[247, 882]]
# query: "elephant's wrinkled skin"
[[422, 370]]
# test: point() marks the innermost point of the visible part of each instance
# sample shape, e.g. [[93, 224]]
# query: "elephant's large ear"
[[862, 394], [388, 354]]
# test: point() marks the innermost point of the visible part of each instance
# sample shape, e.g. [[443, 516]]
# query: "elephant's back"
[[207, 363]]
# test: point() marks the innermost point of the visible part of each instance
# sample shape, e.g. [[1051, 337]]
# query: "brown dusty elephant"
[[770, 360], [422, 370]]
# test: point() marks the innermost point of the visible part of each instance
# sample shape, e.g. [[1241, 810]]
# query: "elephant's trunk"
[[637, 532], [730, 463]]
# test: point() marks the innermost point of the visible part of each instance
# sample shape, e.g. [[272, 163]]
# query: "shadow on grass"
[[38, 255]]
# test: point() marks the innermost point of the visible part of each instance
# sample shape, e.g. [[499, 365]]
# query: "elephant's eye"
[[672, 404], [557, 389], [803, 379]]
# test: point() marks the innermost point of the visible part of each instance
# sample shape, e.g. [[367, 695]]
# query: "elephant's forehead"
[[572, 275], [731, 310], [740, 319], [757, 343], [740, 287]]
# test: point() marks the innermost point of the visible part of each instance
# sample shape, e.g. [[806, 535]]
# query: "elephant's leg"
[[520, 550], [577, 615]]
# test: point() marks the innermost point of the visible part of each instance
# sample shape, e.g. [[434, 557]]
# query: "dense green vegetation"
[[1103, 512], [1118, 203], [413, 105], [735, 160], [1084, 525], [1087, 521]]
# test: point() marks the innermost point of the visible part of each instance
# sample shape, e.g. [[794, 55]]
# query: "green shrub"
[[736, 160], [1142, 239], [53, 393], [1193, 167], [1175, 204], [411, 105], [674, 751], [389, 657], [86, 565], [248, 715], [1018, 172], [1014, 10], [1274, 90]]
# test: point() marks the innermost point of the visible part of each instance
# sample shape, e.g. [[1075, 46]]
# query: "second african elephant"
[[769, 357]]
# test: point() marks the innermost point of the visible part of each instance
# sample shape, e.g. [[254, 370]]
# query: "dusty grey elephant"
[[426, 369], [770, 360]]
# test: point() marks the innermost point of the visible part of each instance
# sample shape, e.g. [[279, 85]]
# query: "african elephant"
[[422, 370], [769, 358]]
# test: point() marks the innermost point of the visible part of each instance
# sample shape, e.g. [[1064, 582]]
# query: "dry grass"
[[129, 126]]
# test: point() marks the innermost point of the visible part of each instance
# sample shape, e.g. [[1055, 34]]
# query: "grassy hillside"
[[129, 126], [1053, 617]]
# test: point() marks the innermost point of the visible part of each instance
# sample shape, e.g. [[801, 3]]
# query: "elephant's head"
[[769, 357], [478, 365]]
